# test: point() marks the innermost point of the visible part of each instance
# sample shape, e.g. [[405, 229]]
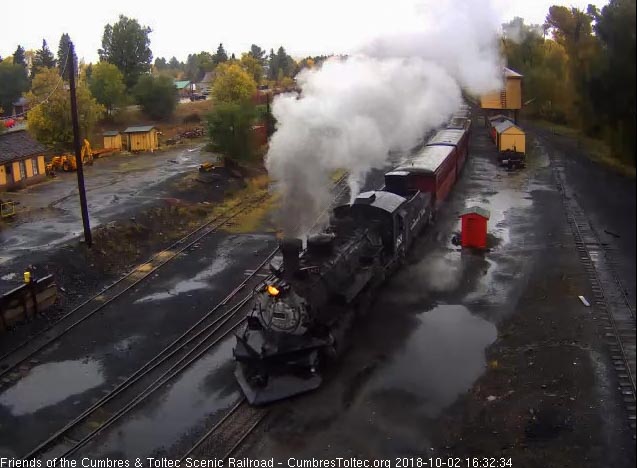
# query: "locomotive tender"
[[302, 313]]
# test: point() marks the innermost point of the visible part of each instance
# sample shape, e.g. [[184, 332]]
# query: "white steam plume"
[[353, 111]]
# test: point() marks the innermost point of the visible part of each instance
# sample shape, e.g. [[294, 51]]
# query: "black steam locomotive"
[[301, 316]]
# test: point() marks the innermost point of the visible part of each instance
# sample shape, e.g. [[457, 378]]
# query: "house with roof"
[[21, 160], [143, 138], [184, 88], [206, 82]]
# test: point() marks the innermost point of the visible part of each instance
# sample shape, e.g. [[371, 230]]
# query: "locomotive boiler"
[[301, 315]]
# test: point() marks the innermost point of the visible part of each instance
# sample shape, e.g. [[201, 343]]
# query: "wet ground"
[[115, 186], [462, 354], [193, 401], [70, 374], [469, 354]]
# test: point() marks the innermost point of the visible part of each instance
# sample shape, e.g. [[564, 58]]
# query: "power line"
[[46, 99]]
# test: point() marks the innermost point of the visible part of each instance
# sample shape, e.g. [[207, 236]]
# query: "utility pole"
[[78, 150]]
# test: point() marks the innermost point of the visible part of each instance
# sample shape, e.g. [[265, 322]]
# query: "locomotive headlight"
[[272, 290]]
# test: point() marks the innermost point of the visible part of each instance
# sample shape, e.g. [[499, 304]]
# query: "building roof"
[[476, 210], [511, 74], [448, 137], [16, 145], [428, 160], [143, 129], [505, 125], [111, 133], [209, 77], [181, 84]]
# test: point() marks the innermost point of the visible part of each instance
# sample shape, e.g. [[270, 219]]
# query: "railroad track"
[[611, 303], [198, 340], [227, 435], [216, 325], [29, 348]]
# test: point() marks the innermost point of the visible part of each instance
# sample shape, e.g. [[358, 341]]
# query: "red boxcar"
[[433, 171], [456, 138]]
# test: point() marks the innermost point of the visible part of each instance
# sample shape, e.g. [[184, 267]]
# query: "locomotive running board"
[[277, 388]]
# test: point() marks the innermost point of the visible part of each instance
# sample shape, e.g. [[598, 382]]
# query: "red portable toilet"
[[474, 227]]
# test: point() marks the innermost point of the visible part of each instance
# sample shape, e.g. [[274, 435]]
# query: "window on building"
[[23, 170], [34, 165]]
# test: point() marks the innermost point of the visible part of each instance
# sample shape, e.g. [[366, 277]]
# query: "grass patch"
[[596, 149]]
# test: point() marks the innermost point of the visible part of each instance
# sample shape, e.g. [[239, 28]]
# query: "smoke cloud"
[[352, 111]]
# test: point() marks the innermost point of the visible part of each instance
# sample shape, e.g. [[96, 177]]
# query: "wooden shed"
[[510, 137], [21, 160], [141, 138], [113, 140]]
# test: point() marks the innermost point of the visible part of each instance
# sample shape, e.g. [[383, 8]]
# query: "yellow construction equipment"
[[67, 162]]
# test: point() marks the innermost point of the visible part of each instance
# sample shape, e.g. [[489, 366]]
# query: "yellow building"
[[113, 140], [141, 138], [21, 160], [510, 137], [507, 98]]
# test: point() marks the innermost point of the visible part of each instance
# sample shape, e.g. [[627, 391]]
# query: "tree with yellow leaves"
[[50, 114], [233, 84]]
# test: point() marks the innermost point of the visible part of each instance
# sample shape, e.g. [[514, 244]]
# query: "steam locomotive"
[[302, 313]]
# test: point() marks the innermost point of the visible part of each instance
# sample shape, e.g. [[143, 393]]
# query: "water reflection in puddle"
[[200, 281], [205, 388], [440, 360], [498, 204], [51, 383]]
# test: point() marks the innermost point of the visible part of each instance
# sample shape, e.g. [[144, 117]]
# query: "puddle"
[[498, 205], [205, 388], [126, 344], [51, 383], [200, 281], [440, 360]]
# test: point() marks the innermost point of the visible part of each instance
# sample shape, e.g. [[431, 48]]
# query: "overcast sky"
[[180, 28]]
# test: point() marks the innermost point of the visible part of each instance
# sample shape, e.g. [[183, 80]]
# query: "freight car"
[[458, 140], [301, 315]]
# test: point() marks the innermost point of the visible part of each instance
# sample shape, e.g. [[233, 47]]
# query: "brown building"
[[21, 160]]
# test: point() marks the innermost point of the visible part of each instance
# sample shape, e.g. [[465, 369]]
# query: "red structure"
[[260, 135], [474, 227]]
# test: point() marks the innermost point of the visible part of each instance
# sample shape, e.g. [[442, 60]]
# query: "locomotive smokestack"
[[291, 249]]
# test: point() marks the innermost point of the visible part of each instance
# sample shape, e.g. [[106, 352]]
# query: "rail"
[[133, 278], [610, 298]]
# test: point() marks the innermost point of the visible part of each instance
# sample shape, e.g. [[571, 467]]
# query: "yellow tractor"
[[67, 162]]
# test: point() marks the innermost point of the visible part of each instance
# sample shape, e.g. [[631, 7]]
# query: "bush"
[[157, 96], [230, 130]]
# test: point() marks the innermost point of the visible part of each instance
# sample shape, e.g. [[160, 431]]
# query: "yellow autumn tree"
[[233, 84], [50, 114]]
